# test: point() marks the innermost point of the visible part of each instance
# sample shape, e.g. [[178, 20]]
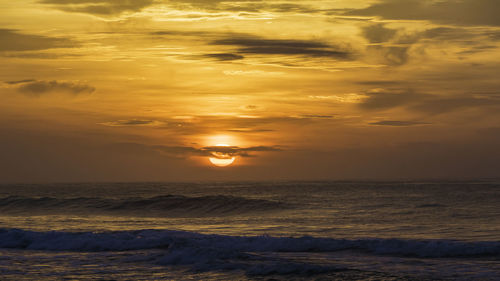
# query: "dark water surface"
[[251, 231]]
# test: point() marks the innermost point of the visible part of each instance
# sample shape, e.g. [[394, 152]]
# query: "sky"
[[150, 90]]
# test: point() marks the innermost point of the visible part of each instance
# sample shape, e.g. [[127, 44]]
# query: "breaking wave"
[[184, 244], [259, 255], [168, 206]]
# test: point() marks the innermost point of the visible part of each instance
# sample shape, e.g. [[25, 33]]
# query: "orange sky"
[[148, 90]]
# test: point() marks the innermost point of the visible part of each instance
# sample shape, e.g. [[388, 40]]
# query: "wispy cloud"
[[378, 33], [397, 123], [37, 88], [13, 40], [133, 122], [99, 7]]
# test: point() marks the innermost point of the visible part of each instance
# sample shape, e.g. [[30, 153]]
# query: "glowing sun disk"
[[222, 162]]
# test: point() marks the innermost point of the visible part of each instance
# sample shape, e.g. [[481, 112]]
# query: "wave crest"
[[168, 205]]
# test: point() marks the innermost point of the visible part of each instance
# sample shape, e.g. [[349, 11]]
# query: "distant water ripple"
[[168, 205]]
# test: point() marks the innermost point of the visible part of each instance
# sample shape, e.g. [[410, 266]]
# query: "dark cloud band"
[[263, 46], [221, 152]]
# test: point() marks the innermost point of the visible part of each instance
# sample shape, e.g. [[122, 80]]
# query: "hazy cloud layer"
[[449, 104], [99, 7], [381, 99], [464, 12], [12, 40], [39, 87]]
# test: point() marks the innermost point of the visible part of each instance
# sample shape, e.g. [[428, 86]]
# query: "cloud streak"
[[224, 56], [37, 88], [12, 40], [396, 123], [253, 45], [132, 122]]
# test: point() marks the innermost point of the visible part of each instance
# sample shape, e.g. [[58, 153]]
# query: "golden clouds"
[[324, 78]]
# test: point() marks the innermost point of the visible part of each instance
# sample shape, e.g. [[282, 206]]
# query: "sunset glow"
[[307, 89], [250, 140]]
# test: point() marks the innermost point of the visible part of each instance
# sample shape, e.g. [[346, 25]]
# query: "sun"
[[222, 162]]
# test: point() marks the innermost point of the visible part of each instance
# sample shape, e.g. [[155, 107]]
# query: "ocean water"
[[251, 231]]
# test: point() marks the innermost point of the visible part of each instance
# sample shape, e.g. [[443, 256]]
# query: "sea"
[[313, 230]]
